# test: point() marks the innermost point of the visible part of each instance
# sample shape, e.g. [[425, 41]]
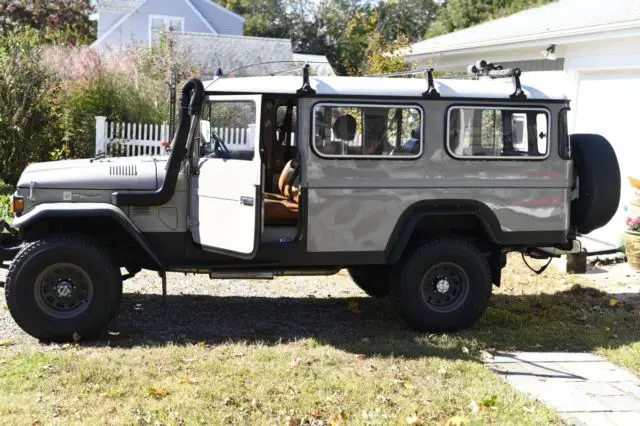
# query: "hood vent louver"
[[128, 170]]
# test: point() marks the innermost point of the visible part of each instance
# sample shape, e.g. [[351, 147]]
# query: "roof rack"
[[431, 91], [483, 68]]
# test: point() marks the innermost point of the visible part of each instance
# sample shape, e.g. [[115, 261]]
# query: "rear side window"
[[367, 131], [564, 141], [498, 133]]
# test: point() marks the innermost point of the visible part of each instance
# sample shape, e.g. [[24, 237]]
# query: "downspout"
[[190, 109]]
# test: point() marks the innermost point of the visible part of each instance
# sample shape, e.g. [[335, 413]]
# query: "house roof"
[[535, 86], [125, 6], [564, 18], [319, 63], [116, 5], [212, 51]]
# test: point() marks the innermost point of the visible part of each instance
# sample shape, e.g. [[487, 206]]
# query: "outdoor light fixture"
[[550, 52]]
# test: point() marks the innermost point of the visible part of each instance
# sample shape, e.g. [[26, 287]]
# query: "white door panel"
[[226, 204]]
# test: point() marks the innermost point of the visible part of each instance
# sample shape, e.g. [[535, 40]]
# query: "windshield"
[[227, 129]]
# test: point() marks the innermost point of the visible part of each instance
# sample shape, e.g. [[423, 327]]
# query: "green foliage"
[[455, 15], [5, 213], [66, 21], [382, 56], [28, 116]]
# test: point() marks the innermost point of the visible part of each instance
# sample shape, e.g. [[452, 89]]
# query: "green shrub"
[[4, 207], [29, 125]]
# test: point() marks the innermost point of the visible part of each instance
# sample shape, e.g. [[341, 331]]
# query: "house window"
[[165, 23], [498, 133], [367, 131]]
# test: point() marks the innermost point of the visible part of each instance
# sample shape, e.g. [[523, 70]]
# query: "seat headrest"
[[344, 128]]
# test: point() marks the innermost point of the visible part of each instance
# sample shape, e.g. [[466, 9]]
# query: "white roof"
[[564, 18], [533, 85]]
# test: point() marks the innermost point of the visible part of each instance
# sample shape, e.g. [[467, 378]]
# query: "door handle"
[[246, 201]]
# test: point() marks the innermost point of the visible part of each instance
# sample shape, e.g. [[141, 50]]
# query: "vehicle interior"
[[281, 162]]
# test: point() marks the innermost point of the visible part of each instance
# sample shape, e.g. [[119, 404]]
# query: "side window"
[[564, 141], [286, 122], [227, 129], [367, 131], [498, 133]]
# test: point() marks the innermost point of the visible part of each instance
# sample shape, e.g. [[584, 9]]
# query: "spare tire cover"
[[598, 174]]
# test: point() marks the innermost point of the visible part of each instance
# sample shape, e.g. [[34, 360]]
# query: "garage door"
[[607, 105]]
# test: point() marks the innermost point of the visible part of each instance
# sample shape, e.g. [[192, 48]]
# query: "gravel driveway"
[[199, 309]]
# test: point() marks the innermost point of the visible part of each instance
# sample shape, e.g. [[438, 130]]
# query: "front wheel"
[[444, 285], [63, 288]]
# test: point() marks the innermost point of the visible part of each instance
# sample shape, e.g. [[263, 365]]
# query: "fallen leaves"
[[339, 418], [157, 392]]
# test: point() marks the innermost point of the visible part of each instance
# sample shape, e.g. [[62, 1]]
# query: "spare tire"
[[598, 172]]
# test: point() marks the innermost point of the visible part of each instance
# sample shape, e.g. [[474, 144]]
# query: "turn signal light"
[[16, 204]]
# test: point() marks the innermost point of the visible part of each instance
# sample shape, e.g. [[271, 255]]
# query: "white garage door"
[[607, 104]]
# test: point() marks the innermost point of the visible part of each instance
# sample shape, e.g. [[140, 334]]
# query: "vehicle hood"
[[133, 173]]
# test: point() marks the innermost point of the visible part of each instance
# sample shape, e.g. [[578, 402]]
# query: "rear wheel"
[[374, 280], [443, 285], [63, 288]]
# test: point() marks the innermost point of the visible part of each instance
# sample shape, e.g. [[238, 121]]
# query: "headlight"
[[16, 204]]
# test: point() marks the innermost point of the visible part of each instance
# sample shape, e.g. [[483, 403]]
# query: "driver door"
[[226, 200]]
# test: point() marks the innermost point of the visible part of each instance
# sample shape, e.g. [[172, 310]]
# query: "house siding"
[[107, 20], [136, 27], [223, 21]]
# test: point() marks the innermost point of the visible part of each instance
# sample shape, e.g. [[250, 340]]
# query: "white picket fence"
[[117, 139]]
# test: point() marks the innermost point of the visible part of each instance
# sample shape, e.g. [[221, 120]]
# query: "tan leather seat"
[[284, 206]]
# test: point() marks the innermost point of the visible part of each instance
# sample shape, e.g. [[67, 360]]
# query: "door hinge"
[[246, 201]]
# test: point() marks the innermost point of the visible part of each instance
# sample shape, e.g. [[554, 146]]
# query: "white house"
[[210, 34], [592, 46]]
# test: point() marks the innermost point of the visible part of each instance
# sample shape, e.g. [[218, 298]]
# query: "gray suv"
[[418, 187]]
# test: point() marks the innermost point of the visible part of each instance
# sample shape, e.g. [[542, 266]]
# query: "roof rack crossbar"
[[306, 88], [486, 69]]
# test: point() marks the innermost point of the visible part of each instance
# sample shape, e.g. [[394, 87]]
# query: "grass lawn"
[[360, 366]]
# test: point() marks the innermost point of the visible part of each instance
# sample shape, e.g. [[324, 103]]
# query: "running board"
[[269, 275]]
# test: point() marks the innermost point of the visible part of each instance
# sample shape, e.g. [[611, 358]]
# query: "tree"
[[59, 21], [455, 15]]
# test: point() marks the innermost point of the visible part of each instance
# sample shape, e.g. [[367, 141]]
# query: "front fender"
[[86, 210]]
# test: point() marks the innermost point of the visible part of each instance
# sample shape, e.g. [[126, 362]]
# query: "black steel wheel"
[[62, 288], [443, 285]]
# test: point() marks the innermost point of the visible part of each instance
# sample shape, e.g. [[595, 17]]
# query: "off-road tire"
[[456, 257], [375, 280], [86, 255]]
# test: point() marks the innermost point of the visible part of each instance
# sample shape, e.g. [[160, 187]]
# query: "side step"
[[269, 275]]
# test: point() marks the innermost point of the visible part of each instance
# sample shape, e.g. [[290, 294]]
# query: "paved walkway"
[[584, 388]]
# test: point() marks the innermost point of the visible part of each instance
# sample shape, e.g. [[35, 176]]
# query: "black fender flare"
[[410, 218], [87, 210]]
